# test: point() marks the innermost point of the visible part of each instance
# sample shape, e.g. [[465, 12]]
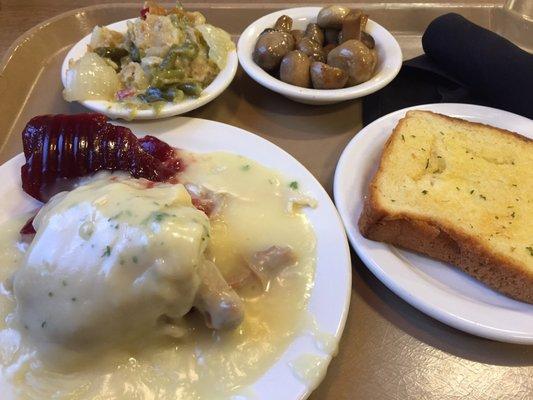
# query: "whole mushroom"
[[318, 56], [332, 16], [356, 59], [352, 25], [297, 34], [266, 30], [325, 76], [294, 69], [311, 48], [271, 47], [284, 23], [314, 32]]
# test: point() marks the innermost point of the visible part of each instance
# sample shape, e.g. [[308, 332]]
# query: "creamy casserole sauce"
[[145, 247]]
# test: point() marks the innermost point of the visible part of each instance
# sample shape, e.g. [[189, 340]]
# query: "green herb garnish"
[[157, 216], [245, 167], [530, 249], [115, 54], [114, 216], [424, 191], [293, 185], [107, 251]]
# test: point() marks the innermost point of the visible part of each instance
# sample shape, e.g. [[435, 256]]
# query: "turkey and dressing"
[[204, 271], [108, 248]]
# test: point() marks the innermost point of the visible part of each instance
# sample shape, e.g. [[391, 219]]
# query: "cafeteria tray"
[[389, 349]]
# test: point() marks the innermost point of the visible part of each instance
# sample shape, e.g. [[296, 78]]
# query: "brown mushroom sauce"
[[333, 53]]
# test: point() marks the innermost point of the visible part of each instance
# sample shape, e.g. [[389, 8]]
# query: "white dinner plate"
[[118, 110], [435, 288], [330, 296]]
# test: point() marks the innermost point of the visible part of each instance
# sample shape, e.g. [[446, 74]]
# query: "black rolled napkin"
[[464, 63]]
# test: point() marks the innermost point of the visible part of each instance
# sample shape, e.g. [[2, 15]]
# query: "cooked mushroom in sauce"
[[333, 53]]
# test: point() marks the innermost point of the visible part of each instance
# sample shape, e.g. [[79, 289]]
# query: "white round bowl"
[[389, 60], [118, 110]]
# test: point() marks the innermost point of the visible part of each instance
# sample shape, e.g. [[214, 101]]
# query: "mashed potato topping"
[[103, 250]]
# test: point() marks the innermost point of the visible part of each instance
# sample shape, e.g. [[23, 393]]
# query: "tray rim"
[[11, 53]]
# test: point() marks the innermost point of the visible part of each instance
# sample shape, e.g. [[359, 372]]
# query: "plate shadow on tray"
[[430, 331]]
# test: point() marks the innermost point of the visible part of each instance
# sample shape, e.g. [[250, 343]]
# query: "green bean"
[[170, 59], [162, 78], [178, 22], [153, 94], [175, 93], [113, 53], [135, 53], [191, 88], [186, 50]]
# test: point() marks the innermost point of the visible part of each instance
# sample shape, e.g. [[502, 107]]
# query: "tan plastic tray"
[[389, 350]]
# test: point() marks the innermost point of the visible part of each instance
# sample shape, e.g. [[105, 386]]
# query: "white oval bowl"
[[388, 49], [118, 110]]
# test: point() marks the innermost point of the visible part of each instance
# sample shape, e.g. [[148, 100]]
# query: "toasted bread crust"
[[460, 121], [442, 242]]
